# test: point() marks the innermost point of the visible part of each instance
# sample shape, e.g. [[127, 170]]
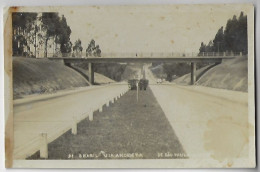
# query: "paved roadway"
[[209, 122], [53, 114]]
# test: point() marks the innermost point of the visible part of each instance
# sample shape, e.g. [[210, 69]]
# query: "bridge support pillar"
[[193, 73], [91, 73]]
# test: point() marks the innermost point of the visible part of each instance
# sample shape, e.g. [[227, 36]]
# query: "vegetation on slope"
[[37, 76], [230, 74]]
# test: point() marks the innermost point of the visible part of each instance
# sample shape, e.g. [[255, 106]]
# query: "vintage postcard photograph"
[[133, 86]]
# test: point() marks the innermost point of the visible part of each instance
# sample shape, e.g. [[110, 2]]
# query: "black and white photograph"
[[136, 86]]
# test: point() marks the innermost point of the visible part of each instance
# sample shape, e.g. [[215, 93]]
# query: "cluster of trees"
[[22, 24], [34, 29], [92, 49], [57, 27], [37, 29], [77, 48], [232, 39]]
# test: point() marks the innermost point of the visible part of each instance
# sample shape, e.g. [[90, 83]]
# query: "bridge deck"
[[193, 60], [215, 59]]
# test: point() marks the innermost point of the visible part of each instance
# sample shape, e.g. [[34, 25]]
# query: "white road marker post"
[[101, 108], [90, 115], [74, 126], [43, 146], [107, 104]]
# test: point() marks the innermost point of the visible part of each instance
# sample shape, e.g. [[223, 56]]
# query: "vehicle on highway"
[[142, 84], [159, 81], [132, 84]]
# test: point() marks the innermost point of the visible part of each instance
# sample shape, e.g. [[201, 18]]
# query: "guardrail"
[[78, 118], [40, 143]]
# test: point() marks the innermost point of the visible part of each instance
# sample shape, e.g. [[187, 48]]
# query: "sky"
[[154, 28]]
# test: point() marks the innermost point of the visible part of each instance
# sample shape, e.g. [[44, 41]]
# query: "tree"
[[77, 48], [219, 41], [93, 50], [242, 25], [66, 48], [230, 34], [209, 47], [235, 34], [232, 39], [33, 29], [97, 51], [91, 47], [51, 23], [63, 36], [202, 48], [22, 27]]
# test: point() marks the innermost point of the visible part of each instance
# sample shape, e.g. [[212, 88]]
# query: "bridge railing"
[[228, 54], [149, 54], [172, 54]]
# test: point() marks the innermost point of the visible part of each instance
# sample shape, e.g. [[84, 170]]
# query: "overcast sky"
[[167, 28]]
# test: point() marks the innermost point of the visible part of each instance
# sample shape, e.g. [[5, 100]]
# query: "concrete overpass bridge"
[[193, 59]]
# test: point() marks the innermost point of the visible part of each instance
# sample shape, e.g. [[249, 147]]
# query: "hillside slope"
[[231, 74], [36, 76]]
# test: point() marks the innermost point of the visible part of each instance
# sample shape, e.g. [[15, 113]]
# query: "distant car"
[[159, 81]]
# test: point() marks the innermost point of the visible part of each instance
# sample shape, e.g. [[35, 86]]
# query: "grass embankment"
[[139, 130], [37, 76], [231, 74]]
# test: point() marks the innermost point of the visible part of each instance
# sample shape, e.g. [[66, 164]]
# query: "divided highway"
[[204, 119]]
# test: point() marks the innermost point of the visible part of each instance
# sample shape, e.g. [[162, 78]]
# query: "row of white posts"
[[76, 120]]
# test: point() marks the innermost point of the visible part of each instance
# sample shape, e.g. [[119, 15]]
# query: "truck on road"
[[142, 84]]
